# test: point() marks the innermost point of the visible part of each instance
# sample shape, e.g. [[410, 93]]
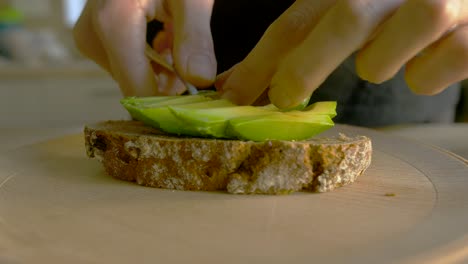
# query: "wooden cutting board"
[[58, 206], [453, 136]]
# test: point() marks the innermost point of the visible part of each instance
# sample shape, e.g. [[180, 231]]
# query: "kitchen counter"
[[451, 137], [34, 109]]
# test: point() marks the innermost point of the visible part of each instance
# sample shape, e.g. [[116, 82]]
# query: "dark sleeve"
[[372, 105]]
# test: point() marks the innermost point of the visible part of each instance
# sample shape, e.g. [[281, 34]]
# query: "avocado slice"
[[278, 126], [325, 107], [136, 105], [146, 101], [213, 122], [169, 123], [154, 101], [205, 115]]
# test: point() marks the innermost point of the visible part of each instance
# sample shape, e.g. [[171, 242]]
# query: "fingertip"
[[420, 87], [287, 89], [124, 45], [200, 70], [427, 91], [193, 47], [219, 83], [235, 93], [417, 85], [280, 99], [368, 73], [135, 81], [360, 67], [222, 78]]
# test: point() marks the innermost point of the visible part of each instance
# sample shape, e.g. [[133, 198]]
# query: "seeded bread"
[[132, 151]]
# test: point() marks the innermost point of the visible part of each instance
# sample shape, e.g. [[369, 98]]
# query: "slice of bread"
[[132, 151]]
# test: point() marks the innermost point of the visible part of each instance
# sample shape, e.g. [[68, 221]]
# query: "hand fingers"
[[87, 41], [411, 29], [193, 44], [343, 29], [162, 41], [171, 83], [121, 26], [252, 76], [168, 82], [441, 65], [222, 78], [162, 44]]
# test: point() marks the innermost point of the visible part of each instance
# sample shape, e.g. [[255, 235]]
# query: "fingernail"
[[200, 66]]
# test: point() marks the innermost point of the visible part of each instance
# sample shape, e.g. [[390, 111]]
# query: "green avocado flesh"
[[163, 117], [136, 105], [325, 107], [204, 115], [213, 121], [278, 126]]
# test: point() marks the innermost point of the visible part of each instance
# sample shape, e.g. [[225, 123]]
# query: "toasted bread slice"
[[131, 151]]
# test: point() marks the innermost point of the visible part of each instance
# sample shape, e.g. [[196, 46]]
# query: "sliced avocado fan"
[[212, 122], [205, 115], [278, 126], [136, 105]]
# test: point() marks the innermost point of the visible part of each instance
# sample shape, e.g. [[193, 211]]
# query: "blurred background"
[[44, 81], [47, 87]]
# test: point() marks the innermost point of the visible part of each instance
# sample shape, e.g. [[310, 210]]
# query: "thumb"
[[193, 49]]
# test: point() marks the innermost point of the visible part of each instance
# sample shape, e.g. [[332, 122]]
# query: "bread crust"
[[132, 151]]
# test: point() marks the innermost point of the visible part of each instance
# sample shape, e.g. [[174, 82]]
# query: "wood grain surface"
[[58, 206]]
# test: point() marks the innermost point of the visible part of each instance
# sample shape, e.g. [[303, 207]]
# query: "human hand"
[[113, 34], [313, 37]]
